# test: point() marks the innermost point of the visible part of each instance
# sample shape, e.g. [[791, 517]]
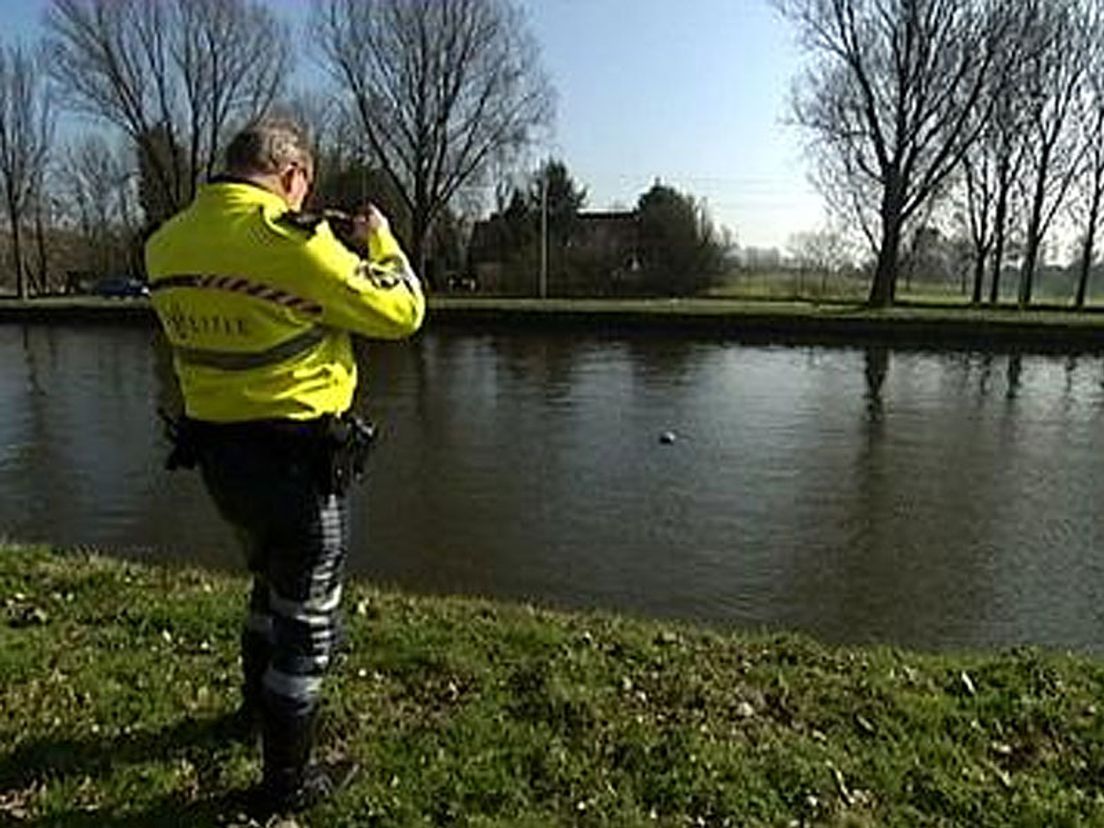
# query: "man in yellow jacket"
[[258, 301]]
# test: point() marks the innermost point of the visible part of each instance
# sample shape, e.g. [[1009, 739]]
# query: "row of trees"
[[424, 97], [987, 112]]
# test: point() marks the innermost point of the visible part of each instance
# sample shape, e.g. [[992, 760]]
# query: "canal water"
[[941, 500]]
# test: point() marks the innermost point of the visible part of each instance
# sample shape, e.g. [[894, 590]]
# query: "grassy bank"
[[116, 678]]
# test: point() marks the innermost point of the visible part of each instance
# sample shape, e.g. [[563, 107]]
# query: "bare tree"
[[990, 172], [41, 210], [848, 193], [897, 95], [1091, 184], [333, 128], [1089, 181], [1005, 147], [173, 75], [99, 189], [822, 252], [1055, 64], [978, 187], [26, 131], [441, 89]]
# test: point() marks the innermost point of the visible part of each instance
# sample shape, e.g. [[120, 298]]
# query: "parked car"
[[457, 282], [120, 287]]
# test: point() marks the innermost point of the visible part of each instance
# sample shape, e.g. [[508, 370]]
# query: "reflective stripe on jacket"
[[258, 310]]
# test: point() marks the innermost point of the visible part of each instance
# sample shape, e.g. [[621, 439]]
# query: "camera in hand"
[[349, 229]]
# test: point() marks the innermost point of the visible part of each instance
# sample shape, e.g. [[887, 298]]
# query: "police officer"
[[258, 300]]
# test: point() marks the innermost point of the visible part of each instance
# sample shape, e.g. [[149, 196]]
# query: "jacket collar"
[[233, 190]]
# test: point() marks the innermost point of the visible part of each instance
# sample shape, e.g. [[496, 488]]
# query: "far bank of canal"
[[944, 326]]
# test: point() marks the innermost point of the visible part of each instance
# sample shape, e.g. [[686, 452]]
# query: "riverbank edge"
[[766, 322], [117, 679]]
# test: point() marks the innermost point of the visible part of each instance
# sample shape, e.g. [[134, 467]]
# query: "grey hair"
[[267, 146]]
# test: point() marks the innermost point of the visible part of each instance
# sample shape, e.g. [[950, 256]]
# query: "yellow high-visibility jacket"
[[258, 308]]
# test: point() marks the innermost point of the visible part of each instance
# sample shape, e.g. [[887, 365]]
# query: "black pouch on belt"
[[183, 440], [346, 443]]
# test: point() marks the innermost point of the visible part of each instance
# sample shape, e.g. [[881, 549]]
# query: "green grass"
[[791, 285], [116, 680], [724, 306], [790, 314]]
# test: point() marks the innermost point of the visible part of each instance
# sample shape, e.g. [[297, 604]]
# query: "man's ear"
[[287, 179]]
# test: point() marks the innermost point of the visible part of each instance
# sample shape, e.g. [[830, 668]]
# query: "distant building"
[[612, 238], [488, 246], [601, 252], [759, 258]]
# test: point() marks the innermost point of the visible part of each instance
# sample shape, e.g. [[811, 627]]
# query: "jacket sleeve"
[[378, 297]]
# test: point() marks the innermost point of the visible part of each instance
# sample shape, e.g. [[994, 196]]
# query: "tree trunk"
[[419, 248], [999, 222], [979, 276], [1027, 271], [1034, 237], [40, 249], [1087, 249], [885, 274], [17, 255]]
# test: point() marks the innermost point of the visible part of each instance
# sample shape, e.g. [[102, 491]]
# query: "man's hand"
[[356, 231], [370, 220]]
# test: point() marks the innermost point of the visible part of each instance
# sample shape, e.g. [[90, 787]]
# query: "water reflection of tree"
[[985, 375], [898, 542], [661, 360], [850, 586], [37, 455], [481, 444], [875, 369], [83, 383], [1070, 373], [1015, 370], [987, 362], [547, 361]]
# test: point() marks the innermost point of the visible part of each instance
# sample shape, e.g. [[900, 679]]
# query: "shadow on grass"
[[203, 742]]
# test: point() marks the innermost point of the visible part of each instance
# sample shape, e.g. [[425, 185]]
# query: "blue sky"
[[694, 93]]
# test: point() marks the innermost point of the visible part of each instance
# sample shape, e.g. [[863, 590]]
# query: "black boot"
[[292, 782]]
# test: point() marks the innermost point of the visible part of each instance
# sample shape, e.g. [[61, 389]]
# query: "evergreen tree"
[[679, 250]]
